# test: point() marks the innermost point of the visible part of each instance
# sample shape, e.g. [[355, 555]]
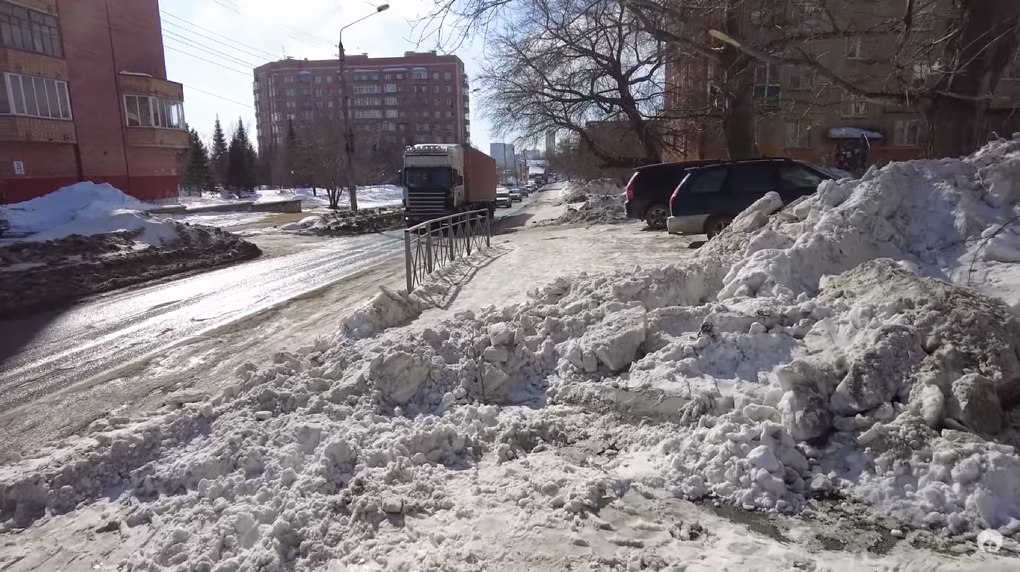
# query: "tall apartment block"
[[416, 98], [503, 153], [804, 115], [85, 97]]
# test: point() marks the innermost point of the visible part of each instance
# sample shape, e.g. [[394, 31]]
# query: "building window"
[[391, 113], [318, 79], [854, 48], [390, 101], [435, 75], [375, 76], [767, 88], [318, 92], [366, 89], [449, 102], [36, 97], [802, 78], [798, 134], [318, 104], [290, 105], [391, 88], [368, 114], [436, 101], [149, 111], [919, 73], [29, 30], [289, 92], [449, 114], [420, 73], [288, 79], [449, 89], [437, 114], [330, 103], [435, 89], [907, 133], [447, 76], [853, 106], [306, 115]]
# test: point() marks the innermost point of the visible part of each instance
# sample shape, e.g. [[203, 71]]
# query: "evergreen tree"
[[197, 175], [241, 162], [219, 154]]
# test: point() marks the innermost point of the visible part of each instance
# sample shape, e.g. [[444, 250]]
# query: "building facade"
[[85, 97], [415, 98], [503, 153], [801, 114]]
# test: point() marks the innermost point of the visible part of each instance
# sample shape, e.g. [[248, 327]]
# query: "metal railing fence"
[[435, 243]]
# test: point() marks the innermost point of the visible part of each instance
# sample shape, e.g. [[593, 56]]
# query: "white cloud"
[[299, 28]]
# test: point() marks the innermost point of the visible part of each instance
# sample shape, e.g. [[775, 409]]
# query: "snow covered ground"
[[835, 367], [369, 196]]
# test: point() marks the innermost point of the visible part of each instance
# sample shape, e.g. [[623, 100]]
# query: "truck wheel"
[[716, 223], [656, 216]]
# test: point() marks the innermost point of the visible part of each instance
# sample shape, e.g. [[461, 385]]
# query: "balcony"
[[157, 137], [146, 85], [29, 63], [24, 129]]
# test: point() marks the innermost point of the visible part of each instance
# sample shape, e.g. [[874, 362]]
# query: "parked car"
[[650, 187], [503, 198], [708, 197], [515, 195], [4, 225]]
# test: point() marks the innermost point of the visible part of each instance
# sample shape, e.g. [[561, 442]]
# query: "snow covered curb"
[[344, 223], [41, 274], [802, 355]]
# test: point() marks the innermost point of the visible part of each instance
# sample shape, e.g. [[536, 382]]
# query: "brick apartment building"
[[417, 98], [799, 113], [85, 98]]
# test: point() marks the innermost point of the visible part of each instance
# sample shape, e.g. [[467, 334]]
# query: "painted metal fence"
[[435, 243]]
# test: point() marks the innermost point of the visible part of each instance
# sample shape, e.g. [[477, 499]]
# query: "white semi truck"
[[441, 179]]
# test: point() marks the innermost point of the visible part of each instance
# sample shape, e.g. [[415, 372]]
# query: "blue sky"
[[239, 34]]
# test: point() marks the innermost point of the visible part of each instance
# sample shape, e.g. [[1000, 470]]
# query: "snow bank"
[[148, 229], [576, 192], [77, 202], [597, 209], [824, 349]]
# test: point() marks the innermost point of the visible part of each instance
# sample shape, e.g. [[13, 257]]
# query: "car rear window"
[[752, 178], [706, 181]]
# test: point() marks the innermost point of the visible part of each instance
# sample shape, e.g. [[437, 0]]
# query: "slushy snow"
[[842, 346]]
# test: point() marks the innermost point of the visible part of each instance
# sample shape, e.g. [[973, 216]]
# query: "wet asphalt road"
[[45, 353]]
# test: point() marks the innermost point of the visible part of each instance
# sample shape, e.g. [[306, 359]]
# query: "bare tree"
[[951, 77], [319, 148], [564, 64]]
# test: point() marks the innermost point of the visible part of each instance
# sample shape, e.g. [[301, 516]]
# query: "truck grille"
[[427, 202]]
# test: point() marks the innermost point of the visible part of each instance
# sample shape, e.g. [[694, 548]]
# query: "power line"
[[319, 42], [247, 74], [265, 54], [192, 43], [218, 96]]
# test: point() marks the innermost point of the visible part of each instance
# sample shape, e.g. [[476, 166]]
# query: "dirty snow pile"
[[74, 203], [597, 209], [823, 350], [579, 192]]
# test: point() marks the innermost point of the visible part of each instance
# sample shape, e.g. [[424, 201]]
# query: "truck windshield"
[[428, 177]]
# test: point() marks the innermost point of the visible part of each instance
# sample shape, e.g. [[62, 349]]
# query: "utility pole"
[[345, 97]]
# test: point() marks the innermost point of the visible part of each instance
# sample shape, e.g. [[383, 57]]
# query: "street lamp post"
[[344, 110]]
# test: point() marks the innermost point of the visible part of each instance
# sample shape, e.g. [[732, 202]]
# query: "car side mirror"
[[458, 180]]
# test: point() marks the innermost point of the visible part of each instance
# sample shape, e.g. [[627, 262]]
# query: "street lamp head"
[[382, 7]]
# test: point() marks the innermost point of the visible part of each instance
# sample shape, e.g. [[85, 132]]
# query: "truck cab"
[[443, 179]]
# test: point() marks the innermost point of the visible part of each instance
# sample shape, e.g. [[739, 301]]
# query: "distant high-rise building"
[[503, 153], [416, 98], [550, 143]]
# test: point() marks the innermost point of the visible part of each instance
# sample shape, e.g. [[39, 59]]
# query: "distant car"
[[503, 198], [515, 195], [710, 196]]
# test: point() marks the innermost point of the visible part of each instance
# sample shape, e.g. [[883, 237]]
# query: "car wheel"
[[716, 223], [656, 216]]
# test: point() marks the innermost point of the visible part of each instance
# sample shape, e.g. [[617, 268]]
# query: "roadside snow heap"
[[579, 192], [828, 349]]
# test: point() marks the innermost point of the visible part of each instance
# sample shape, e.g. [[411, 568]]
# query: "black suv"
[[708, 197], [650, 187]]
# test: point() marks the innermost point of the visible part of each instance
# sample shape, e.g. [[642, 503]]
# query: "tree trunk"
[[738, 120], [986, 43]]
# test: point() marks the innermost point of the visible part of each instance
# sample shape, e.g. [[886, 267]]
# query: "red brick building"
[[85, 98], [417, 98]]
